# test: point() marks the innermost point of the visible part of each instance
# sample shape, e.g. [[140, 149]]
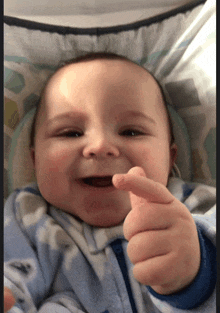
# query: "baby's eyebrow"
[[134, 113], [81, 116], [65, 116]]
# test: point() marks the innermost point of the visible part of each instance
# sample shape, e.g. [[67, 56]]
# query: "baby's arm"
[[163, 238], [27, 273]]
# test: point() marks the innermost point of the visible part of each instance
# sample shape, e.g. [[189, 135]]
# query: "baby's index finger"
[[137, 170], [143, 187], [118, 179]]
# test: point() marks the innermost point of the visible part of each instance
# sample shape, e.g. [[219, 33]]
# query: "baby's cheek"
[[154, 161], [51, 176], [144, 156], [56, 159]]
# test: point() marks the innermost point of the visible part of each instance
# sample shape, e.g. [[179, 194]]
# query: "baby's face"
[[99, 118]]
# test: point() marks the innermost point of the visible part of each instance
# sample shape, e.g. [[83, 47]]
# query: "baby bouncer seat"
[[174, 40]]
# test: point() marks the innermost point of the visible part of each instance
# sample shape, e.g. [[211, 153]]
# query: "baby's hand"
[[9, 300], [163, 240]]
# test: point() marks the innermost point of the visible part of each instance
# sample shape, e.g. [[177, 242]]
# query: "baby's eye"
[[131, 133], [70, 133]]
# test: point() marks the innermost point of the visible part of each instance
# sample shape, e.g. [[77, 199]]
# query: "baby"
[[102, 231]]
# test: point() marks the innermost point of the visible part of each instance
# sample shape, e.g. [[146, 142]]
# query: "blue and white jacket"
[[55, 263]]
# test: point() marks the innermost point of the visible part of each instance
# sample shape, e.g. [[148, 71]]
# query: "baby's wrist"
[[174, 288]]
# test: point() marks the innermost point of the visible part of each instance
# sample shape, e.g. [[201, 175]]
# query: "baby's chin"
[[102, 222], [106, 223]]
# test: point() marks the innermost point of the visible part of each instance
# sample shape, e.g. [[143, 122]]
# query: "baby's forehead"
[[149, 90], [118, 73], [125, 80], [101, 66]]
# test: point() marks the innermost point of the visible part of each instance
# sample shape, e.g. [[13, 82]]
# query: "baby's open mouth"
[[105, 181]]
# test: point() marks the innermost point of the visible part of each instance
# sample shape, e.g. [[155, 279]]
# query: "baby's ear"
[[173, 155], [32, 153]]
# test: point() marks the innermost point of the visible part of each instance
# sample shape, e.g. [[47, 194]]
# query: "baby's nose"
[[101, 147]]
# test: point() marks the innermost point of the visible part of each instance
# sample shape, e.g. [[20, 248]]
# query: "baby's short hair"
[[90, 57]]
